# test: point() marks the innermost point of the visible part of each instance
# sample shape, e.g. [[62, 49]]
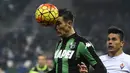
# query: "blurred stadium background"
[[22, 39]]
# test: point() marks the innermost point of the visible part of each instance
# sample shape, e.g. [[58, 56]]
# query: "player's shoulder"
[[103, 56], [82, 39], [126, 56]]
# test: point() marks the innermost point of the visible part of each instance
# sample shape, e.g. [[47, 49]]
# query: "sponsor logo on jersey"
[[64, 54], [122, 66]]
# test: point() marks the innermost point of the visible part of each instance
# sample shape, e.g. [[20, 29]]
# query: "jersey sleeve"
[[86, 49]]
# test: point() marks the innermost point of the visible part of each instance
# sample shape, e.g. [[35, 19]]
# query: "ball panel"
[[53, 14], [55, 11], [47, 18], [52, 8], [39, 19], [43, 18], [56, 15], [50, 15], [51, 19], [36, 14], [44, 7], [45, 11], [40, 10], [49, 7], [46, 14]]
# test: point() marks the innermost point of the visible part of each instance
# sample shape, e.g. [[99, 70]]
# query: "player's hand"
[[83, 68]]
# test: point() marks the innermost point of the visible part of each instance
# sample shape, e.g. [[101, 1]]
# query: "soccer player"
[[41, 67], [73, 49], [116, 61]]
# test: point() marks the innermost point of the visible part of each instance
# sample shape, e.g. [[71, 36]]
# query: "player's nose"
[[110, 42]]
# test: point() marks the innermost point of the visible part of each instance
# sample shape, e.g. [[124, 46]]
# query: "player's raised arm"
[[88, 55]]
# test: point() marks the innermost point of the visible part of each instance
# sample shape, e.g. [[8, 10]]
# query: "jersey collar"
[[71, 36], [117, 56]]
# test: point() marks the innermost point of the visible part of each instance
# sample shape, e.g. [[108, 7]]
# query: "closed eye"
[[58, 23]]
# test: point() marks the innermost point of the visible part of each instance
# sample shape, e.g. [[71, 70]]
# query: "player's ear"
[[122, 43]]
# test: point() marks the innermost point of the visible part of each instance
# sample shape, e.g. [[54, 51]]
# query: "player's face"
[[114, 43], [62, 27], [41, 60]]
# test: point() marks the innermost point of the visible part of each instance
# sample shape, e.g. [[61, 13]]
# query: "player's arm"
[[87, 51]]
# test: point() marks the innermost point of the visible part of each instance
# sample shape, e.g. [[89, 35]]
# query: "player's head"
[[115, 39], [64, 22], [41, 60]]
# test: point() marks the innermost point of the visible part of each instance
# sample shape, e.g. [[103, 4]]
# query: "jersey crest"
[[72, 45], [122, 66]]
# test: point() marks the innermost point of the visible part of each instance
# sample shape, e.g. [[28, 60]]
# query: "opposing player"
[[116, 61], [73, 49], [41, 67]]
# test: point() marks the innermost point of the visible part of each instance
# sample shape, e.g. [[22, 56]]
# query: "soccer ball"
[[46, 14]]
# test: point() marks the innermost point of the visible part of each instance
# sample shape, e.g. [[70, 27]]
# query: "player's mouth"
[[57, 30], [110, 47]]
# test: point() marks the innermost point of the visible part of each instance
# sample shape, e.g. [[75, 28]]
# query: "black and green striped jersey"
[[73, 50]]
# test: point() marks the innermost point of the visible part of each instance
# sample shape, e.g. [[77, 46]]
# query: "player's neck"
[[117, 53], [72, 31]]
